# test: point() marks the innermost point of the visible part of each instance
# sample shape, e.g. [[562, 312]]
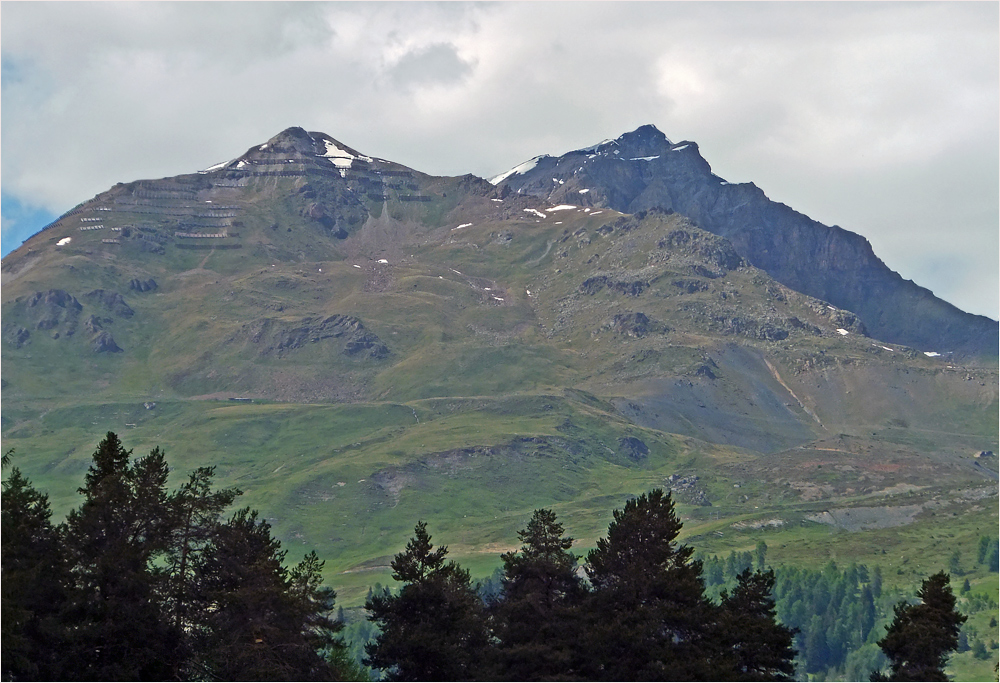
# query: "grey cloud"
[[433, 64], [880, 117]]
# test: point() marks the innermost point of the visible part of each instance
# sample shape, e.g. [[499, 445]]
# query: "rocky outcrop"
[[103, 342], [55, 310], [634, 449], [15, 335], [595, 284], [278, 338], [142, 285], [109, 300], [643, 170]]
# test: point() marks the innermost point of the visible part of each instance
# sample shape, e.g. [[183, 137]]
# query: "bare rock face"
[[643, 170]]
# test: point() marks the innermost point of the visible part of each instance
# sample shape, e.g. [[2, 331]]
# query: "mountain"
[[358, 345], [643, 169]]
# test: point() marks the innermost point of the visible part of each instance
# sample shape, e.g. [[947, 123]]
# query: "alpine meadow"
[[310, 414]]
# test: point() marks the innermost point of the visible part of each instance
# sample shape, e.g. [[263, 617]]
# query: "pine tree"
[[921, 636], [983, 550], [759, 647], [435, 627], [257, 620], [537, 624], [114, 542], [196, 511], [648, 618], [35, 580], [760, 553]]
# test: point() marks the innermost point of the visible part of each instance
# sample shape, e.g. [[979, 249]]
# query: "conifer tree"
[[435, 627], [119, 627], [537, 621], [257, 620], [35, 579], [921, 636], [759, 648], [648, 618]]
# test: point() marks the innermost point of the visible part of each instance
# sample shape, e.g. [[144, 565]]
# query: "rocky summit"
[[645, 170], [358, 345]]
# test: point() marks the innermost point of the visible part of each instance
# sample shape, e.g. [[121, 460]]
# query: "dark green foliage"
[[760, 555], [113, 542], [984, 549], [256, 620], [922, 636], [196, 512], [35, 577], [988, 553], [435, 628], [142, 584], [644, 617], [955, 563], [537, 623], [648, 618], [759, 648]]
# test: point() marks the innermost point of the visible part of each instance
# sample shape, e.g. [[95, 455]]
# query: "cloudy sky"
[[878, 117]]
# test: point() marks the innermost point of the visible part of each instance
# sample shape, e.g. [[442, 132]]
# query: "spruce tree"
[[921, 636]]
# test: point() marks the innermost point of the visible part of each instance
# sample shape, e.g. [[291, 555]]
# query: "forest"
[[144, 583]]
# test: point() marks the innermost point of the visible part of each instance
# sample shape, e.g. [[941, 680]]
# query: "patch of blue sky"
[[20, 221]]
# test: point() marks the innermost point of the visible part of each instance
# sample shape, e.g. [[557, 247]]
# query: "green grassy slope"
[[469, 358]]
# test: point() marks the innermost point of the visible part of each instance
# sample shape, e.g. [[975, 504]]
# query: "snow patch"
[[64, 240], [931, 354], [677, 149], [536, 212], [463, 225], [596, 213], [353, 264], [496, 200], [886, 348], [644, 158], [216, 167], [340, 158], [382, 260], [561, 207], [519, 170], [842, 332]]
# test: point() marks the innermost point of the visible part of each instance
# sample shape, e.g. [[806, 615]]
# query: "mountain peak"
[[647, 133]]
